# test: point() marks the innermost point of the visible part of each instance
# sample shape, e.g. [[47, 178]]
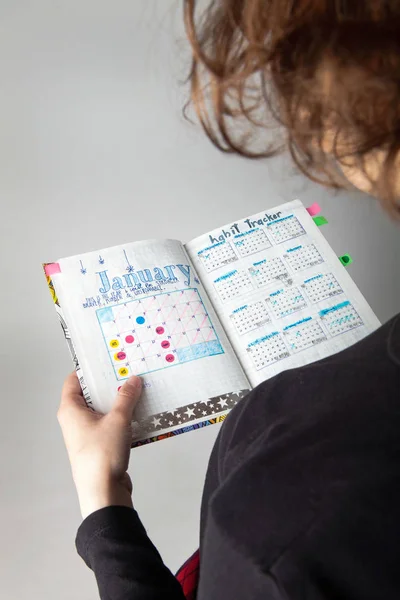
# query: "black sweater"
[[302, 494]]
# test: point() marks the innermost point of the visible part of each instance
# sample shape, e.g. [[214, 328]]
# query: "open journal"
[[206, 321]]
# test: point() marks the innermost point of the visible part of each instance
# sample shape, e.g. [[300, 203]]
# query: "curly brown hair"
[[325, 72]]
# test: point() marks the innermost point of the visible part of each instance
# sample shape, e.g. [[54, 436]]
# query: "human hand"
[[99, 445]]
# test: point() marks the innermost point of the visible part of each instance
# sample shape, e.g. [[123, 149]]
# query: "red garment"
[[188, 576]]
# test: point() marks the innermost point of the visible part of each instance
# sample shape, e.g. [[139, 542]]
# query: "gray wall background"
[[94, 152]]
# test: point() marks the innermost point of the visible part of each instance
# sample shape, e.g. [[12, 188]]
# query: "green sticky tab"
[[320, 221], [346, 260]]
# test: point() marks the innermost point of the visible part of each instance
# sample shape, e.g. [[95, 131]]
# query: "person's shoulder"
[[331, 388]]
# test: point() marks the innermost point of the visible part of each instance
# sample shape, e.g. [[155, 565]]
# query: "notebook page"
[[141, 309], [280, 291]]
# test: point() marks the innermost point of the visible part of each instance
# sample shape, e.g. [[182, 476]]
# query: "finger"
[[127, 482], [71, 395], [128, 396]]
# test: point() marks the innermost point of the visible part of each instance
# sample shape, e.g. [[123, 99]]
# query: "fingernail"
[[134, 380]]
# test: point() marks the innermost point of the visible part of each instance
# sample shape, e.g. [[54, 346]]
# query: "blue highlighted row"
[[226, 276], [211, 247], [297, 323], [263, 339], [106, 315], [239, 235], [200, 350], [240, 308], [276, 293], [280, 220], [334, 308], [313, 278]]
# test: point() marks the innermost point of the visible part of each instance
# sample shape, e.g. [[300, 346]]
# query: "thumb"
[[127, 397]]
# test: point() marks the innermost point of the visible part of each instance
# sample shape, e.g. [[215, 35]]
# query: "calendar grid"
[[300, 257], [304, 334], [322, 286], [267, 350], [157, 332], [267, 271], [232, 284], [217, 255], [285, 302], [251, 241], [340, 318], [285, 229], [249, 317]]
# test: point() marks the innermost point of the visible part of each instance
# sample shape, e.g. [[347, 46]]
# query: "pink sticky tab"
[[52, 269], [314, 209]]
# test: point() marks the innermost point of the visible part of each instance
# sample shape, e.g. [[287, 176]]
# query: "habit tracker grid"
[[285, 294]]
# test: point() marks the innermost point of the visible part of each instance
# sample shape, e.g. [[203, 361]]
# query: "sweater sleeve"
[[114, 544]]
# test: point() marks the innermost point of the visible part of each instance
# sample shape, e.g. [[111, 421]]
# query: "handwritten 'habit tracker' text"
[[234, 229], [136, 279]]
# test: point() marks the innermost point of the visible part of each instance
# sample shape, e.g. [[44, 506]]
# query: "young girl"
[[302, 495]]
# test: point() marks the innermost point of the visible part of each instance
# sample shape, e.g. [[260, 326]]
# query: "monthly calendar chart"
[[251, 241], [300, 258], [249, 317], [285, 229], [157, 332], [321, 287], [233, 284], [266, 271], [286, 301], [340, 318], [304, 334], [267, 350], [217, 255]]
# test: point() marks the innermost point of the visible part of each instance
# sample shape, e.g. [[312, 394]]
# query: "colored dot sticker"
[[114, 343], [129, 339], [160, 330], [123, 371], [120, 356], [170, 358], [165, 344], [140, 320]]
